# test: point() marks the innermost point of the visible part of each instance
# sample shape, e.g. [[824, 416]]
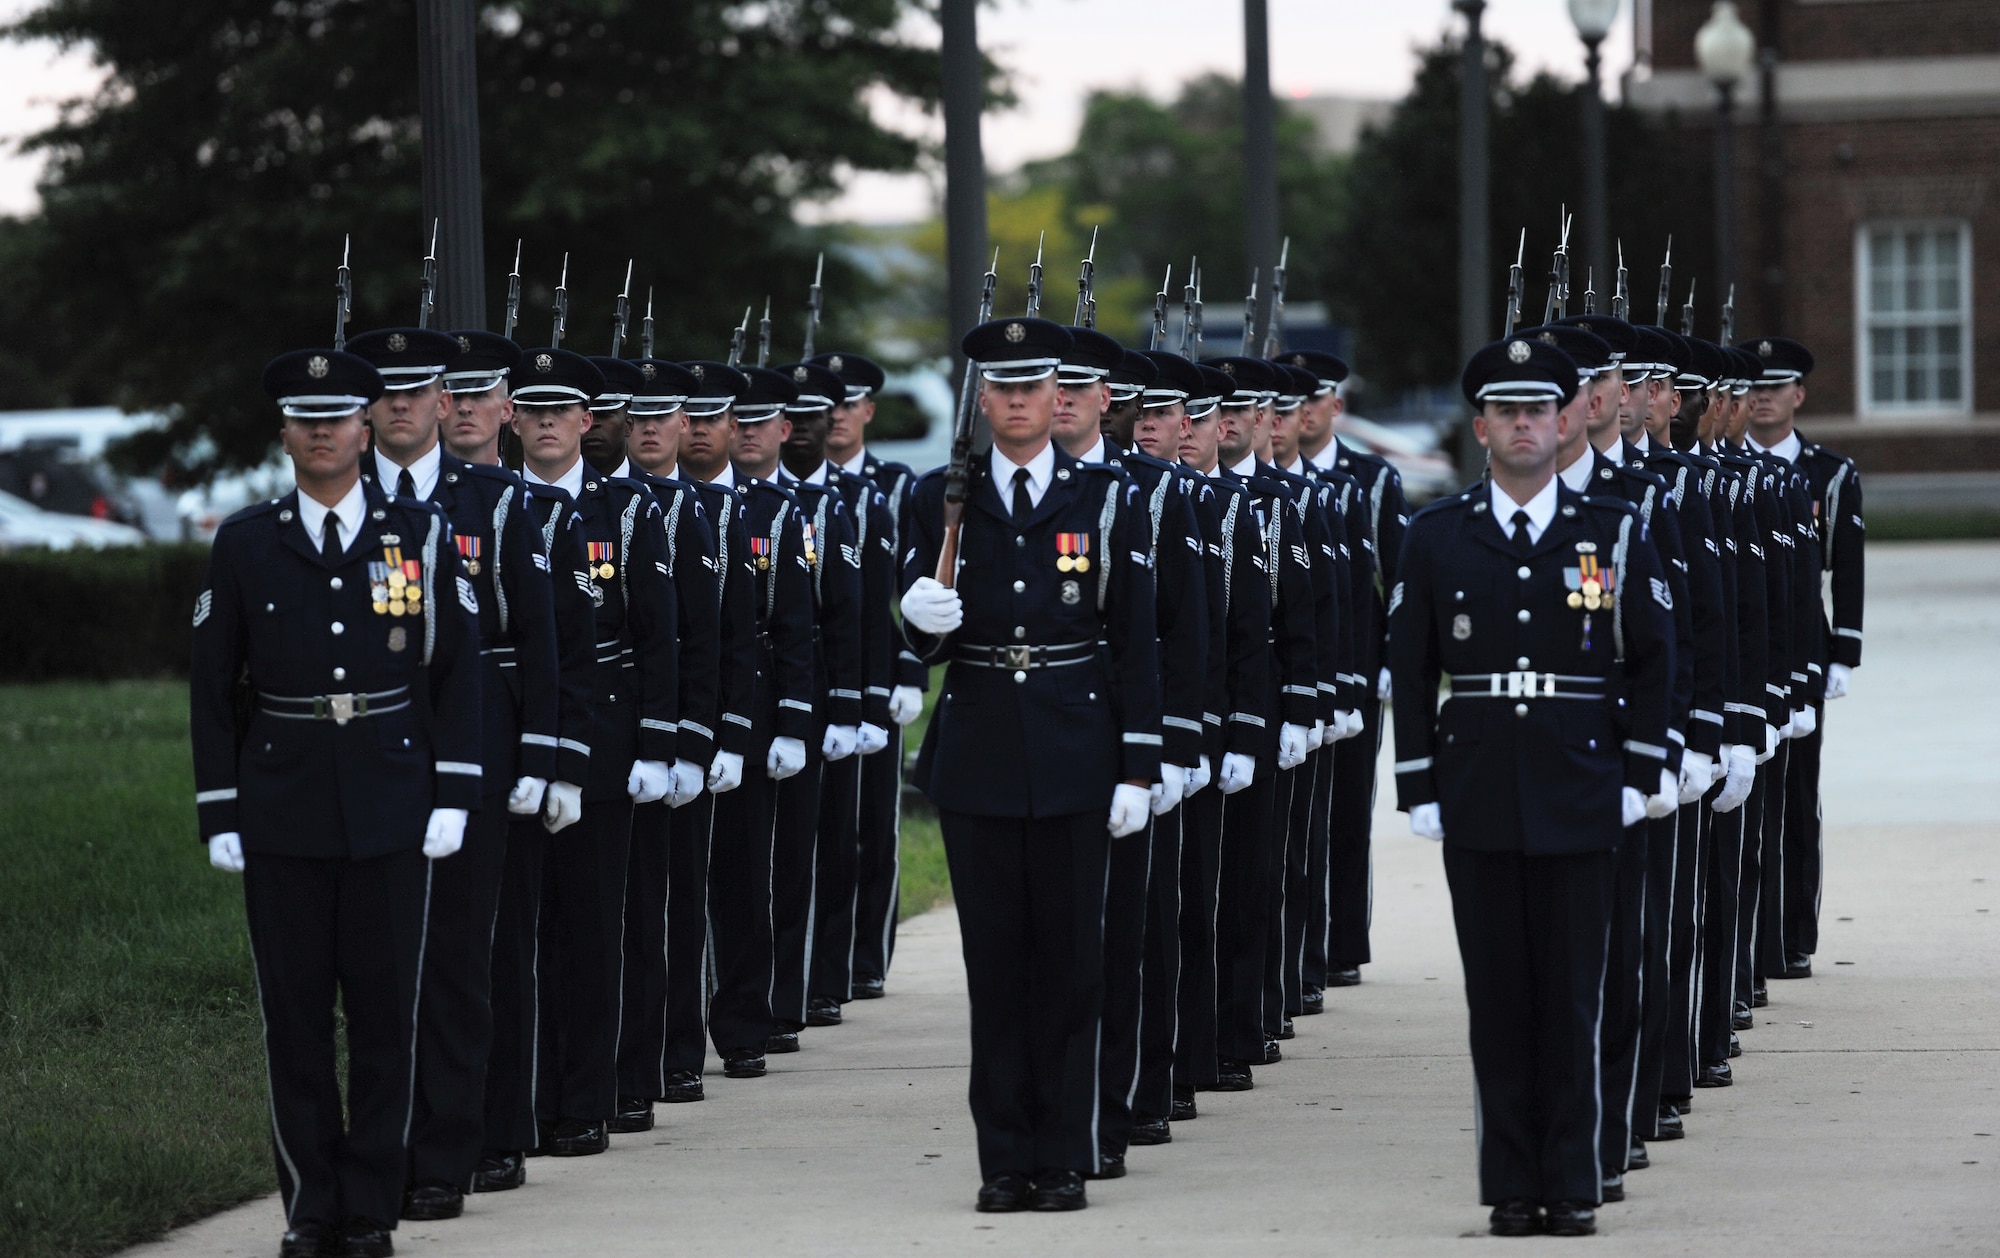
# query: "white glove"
[[1663, 803], [1170, 790], [445, 832], [726, 774], [1427, 823], [649, 780], [839, 742], [686, 783], [1807, 720], [906, 704], [1790, 729], [1294, 741], [1322, 733], [1741, 768], [1347, 725], [1837, 677], [225, 852], [932, 608], [526, 799], [1770, 742], [1237, 772], [788, 756], [1697, 775], [1383, 690], [871, 739], [1201, 775], [1633, 805], [1129, 805], [562, 806]]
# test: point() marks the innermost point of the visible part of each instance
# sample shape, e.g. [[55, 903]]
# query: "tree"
[[194, 210]]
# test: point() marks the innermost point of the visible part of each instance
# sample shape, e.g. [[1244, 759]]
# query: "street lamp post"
[[1724, 48], [1475, 286], [1593, 20]]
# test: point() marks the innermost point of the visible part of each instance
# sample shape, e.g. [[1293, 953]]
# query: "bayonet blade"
[[1666, 284], [813, 299], [428, 301], [1035, 280], [622, 314], [562, 304], [514, 293], [1086, 304], [764, 335], [343, 295], [646, 327]]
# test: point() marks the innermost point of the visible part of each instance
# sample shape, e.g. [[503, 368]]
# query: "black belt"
[[1525, 685], [340, 709], [1023, 656]]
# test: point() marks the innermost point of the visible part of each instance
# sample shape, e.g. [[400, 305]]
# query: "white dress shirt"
[[1541, 509], [853, 466], [424, 472], [1248, 467], [1788, 449], [1576, 475], [1041, 470], [570, 482], [726, 478], [313, 514], [1093, 455], [624, 469]]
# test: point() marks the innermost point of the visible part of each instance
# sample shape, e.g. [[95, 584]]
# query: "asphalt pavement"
[[1865, 1118]]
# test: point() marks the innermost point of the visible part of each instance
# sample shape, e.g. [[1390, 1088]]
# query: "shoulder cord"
[[626, 523], [1624, 592], [1229, 549], [821, 536], [430, 588], [1105, 520], [777, 549], [1158, 509], [499, 532], [1830, 523]]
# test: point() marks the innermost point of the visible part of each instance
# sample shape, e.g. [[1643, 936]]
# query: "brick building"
[[1868, 205]]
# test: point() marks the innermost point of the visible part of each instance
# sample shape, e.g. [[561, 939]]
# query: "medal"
[[760, 549], [381, 606], [397, 609], [600, 560], [469, 549], [1072, 552]]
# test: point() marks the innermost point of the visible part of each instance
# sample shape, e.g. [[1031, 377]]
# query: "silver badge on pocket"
[[1461, 626], [1072, 593]]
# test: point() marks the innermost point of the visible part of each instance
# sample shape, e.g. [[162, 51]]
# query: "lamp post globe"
[[1724, 48], [1593, 18]]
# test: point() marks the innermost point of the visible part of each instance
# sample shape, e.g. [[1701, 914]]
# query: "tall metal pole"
[[1475, 286], [448, 100], [1260, 156], [964, 165], [1771, 174], [1596, 215], [1725, 188]]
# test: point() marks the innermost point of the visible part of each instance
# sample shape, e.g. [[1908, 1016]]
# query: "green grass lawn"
[[132, 1092]]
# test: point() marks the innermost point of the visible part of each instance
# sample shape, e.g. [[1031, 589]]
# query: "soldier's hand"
[[1238, 770], [445, 833], [906, 704], [526, 798], [839, 742], [1383, 690], [1837, 678], [1346, 725], [1633, 807], [1741, 768], [933, 608], [648, 781], [1323, 734], [1294, 741], [1168, 792], [726, 774], [1770, 742], [1697, 775], [1426, 822], [1201, 775], [686, 784], [871, 739], [1129, 807], [1807, 720], [225, 852], [788, 756], [1662, 802], [562, 806]]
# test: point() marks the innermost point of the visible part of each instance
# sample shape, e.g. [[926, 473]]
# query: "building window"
[[1915, 308]]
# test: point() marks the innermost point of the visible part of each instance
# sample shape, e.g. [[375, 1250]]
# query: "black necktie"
[[1023, 504], [405, 486], [1522, 542], [329, 547]]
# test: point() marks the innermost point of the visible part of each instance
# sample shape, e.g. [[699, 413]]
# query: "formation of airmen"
[[557, 775]]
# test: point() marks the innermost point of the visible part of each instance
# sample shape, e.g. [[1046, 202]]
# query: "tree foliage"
[[193, 211]]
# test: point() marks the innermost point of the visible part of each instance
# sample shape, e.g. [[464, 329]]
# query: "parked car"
[[203, 509], [55, 476], [1426, 473], [25, 526]]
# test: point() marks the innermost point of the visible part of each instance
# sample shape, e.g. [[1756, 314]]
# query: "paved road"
[[1865, 1120]]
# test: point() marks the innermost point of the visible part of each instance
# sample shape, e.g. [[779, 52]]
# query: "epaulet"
[[1101, 469], [1143, 459], [422, 506], [769, 487], [1608, 505], [1464, 500], [251, 512], [489, 472]]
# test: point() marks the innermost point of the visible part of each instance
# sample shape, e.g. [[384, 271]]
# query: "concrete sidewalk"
[[1865, 1118]]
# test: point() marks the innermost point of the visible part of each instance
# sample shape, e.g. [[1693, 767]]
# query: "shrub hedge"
[[124, 611]]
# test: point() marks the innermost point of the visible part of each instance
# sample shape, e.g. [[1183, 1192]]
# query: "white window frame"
[[1864, 321]]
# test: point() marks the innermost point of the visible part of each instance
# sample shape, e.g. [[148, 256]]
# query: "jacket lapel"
[[292, 529]]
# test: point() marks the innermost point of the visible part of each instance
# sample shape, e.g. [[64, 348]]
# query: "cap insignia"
[[1518, 352], [1229, 369], [317, 366], [465, 345], [699, 372], [1016, 334], [545, 363], [835, 363], [397, 342], [1547, 338], [648, 370], [799, 374], [1764, 349]]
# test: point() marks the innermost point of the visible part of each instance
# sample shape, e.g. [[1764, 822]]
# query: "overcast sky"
[[1057, 50]]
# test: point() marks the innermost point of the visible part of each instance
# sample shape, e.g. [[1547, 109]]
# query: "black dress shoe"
[[782, 1042], [1233, 1076], [1667, 1125], [1760, 996], [1109, 1166], [578, 1138], [309, 1238], [1713, 1075], [1684, 1105], [1570, 1218], [868, 989], [1272, 1053], [1314, 1001], [743, 1063], [499, 1172], [365, 1238], [1735, 1045], [1004, 1194], [1797, 965], [635, 1113], [1516, 1216], [1285, 1031], [1154, 1131], [1349, 977], [1636, 1158], [683, 1086], [424, 1203], [1614, 1188], [545, 1132], [1056, 1191], [1742, 1020], [822, 1011], [1184, 1110]]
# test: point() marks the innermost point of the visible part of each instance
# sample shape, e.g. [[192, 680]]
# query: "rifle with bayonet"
[[1729, 317], [957, 475], [1514, 287], [1558, 298], [1590, 290], [1086, 304], [1687, 311], [764, 335], [1666, 284], [343, 295], [514, 294], [646, 327], [562, 304], [622, 315], [1159, 340], [1197, 314], [1274, 336], [813, 299], [1035, 281], [737, 336], [1621, 300], [428, 302], [1187, 311], [1250, 312]]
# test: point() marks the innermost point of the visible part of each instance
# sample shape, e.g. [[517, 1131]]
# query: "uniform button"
[[1522, 572], [1093, 694], [1521, 663], [1019, 540], [340, 674], [1020, 586], [338, 628], [1523, 616], [1020, 631], [335, 583], [270, 607], [1020, 677], [1593, 744], [1520, 709]]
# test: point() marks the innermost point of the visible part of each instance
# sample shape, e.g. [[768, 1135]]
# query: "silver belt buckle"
[[341, 708], [1019, 656]]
